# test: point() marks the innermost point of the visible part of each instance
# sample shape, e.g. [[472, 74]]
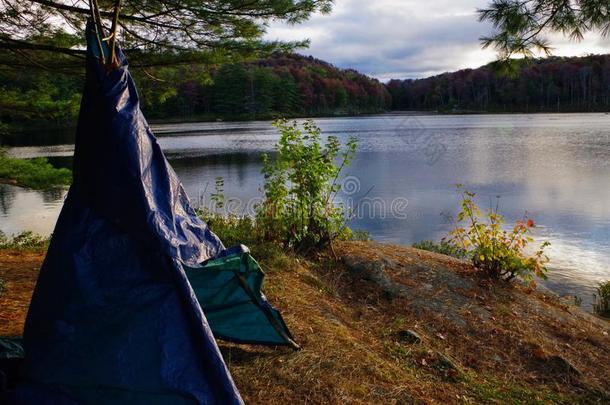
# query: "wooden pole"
[[97, 27], [113, 62]]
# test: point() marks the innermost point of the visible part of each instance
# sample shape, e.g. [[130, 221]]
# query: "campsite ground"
[[391, 324]]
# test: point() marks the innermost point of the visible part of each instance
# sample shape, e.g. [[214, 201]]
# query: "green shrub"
[[231, 229], [34, 173], [360, 236], [3, 128], [298, 209], [443, 247], [24, 240], [577, 301], [496, 251], [234, 230], [602, 300]]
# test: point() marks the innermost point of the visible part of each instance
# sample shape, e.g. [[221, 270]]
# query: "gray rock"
[[563, 365], [409, 336], [447, 363], [374, 271], [332, 318]]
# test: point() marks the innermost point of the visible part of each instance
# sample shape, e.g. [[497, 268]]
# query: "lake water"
[[402, 181]]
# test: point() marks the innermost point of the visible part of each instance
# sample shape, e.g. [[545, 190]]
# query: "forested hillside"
[[292, 85], [282, 85], [552, 84], [286, 85]]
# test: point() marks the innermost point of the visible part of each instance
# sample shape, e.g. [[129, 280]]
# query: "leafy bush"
[[234, 230], [24, 240], [3, 128], [443, 247], [298, 210], [602, 300], [231, 229], [34, 173], [499, 253]]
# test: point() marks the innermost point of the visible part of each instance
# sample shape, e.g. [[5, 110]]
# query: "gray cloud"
[[406, 38]]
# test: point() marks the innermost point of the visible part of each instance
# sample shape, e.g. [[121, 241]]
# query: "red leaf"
[[539, 353]]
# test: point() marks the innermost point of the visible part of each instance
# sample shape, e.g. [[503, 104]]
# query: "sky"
[[408, 38]]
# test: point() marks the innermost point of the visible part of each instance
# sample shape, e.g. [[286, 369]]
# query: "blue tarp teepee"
[[116, 316]]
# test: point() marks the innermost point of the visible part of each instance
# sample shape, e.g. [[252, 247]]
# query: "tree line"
[[291, 85], [555, 84], [283, 85]]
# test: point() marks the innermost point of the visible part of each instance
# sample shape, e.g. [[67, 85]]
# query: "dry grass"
[[504, 341], [19, 270], [342, 360]]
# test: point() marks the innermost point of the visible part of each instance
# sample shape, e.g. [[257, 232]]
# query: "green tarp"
[[228, 289]]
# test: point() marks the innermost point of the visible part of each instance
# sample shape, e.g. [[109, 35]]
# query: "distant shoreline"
[[26, 129]]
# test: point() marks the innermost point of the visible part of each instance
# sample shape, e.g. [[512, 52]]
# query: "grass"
[[35, 173], [19, 271], [602, 300], [443, 247], [24, 240], [491, 390], [234, 230]]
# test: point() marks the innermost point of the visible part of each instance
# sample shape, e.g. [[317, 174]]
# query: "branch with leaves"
[[520, 25], [228, 28]]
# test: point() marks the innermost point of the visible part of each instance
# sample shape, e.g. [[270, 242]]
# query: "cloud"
[[407, 38]]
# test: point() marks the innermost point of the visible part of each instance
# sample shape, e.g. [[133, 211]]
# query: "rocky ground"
[[392, 324]]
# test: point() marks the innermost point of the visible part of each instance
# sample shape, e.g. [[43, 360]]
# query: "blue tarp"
[[114, 318]]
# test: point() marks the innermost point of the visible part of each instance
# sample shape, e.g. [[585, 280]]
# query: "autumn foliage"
[[500, 253], [555, 84]]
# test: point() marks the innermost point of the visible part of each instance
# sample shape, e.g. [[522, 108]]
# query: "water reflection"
[[39, 137], [555, 166], [240, 171], [22, 209]]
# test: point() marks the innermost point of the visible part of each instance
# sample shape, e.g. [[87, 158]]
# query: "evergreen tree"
[[231, 90], [155, 32], [521, 25]]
